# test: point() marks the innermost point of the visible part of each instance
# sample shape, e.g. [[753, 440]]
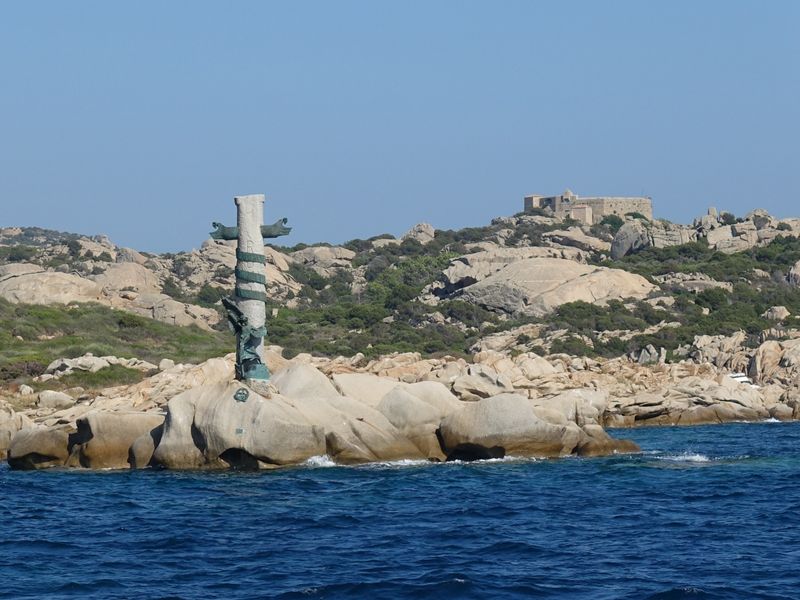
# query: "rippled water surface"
[[704, 512]]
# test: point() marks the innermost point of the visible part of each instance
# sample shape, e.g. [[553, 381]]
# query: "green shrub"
[[74, 248], [170, 288], [15, 254], [107, 377], [571, 345], [210, 295], [613, 222]]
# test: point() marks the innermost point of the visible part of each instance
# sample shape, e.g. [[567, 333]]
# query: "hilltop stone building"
[[592, 209]]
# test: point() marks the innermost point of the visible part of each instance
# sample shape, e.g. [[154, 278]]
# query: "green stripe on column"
[[250, 295], [250, 257], [249, 276]]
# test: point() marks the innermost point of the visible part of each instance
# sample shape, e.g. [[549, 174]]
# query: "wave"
[[320, 462], [325, 461], [692, 457]]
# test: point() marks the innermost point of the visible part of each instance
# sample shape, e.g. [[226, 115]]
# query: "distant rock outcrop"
[[424, 233], [537, 286]]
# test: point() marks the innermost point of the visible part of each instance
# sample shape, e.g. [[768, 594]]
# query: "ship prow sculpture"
[[246, 310]]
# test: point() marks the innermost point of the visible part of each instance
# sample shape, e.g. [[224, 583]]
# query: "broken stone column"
[[250, 284]]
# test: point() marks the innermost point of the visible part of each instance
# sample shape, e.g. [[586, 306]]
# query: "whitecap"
[[320, 461], [692, 457]]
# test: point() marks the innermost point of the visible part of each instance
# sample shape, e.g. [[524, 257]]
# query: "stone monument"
[[247, 310]]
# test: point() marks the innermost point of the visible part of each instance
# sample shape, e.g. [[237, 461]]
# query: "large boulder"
[[580, 406], [228, 425], [794, 275], [38, 448], [632, 236], [128, 276], [469, 269], [48, 288], [504, 425], [104, 439], [576, 237], [303, 381], [481, 382], [10, 423], [355, 432], [416, 419], [363, 387], [537, 286], [161, 307], [421, 232], [325, 260], [55, 400], [435, 394]]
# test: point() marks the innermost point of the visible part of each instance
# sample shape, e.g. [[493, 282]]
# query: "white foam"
[[320, 461], [691, 457], [402, 463]]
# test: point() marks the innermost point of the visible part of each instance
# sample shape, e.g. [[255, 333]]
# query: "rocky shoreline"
[[397, 407]]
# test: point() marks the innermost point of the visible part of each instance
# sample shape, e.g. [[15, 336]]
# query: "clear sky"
[[143, 119]]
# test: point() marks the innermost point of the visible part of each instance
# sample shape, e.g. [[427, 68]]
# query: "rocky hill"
[[640, 320]]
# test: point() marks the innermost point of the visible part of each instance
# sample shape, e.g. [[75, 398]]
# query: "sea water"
[[702, 512]]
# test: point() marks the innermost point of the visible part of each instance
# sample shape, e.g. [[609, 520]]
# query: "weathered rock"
[[580, 406], [766, 361], [536, 287], [577, 238], [354, 432], [534, 366], [26, 390], [794, 275], [54, 400], [777, 313], [129, 255], [161, 307], [721, 234], [692, 282], [415, 419], [504, 425], [480, 382], [632, 236], [325, 260], [422, 232], [39, 287], [472, 268], [10, 423], [127, 276], [365, 388], [435, 394], [208, 427], [38, 448], [104, 439], [303, 381], [142, 450], [596, 442]]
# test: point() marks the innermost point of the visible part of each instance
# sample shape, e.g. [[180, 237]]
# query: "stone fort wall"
[[590, 210], [602, 207]]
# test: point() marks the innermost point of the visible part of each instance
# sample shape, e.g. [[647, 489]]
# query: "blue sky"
[[143, 119]]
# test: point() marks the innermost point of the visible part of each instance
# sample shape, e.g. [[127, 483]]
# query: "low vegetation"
[[33, 336], [383, 314]]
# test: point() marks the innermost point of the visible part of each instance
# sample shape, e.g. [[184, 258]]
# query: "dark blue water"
[[704, 512]]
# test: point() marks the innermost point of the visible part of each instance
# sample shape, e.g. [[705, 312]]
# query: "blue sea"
[[702, 512]]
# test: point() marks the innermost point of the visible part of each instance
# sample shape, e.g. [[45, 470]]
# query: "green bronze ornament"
[[277, 229]]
